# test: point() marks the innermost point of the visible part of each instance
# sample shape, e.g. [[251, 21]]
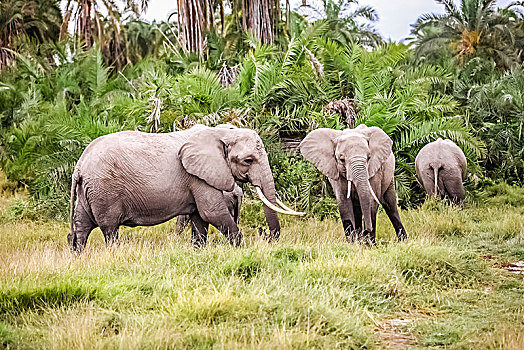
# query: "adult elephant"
[[441, 167], [134, 178], [360, 166]]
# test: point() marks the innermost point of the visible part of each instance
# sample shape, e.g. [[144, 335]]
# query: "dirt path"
[[392, 333]]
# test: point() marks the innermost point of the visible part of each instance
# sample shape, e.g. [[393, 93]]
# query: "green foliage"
[[50, 112], [474, 29], [15, 301], [495, 105]]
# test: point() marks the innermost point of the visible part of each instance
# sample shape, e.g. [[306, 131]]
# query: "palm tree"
[[36, 19], [191, 26], [145, 39], [474, 28], [515, 13], [345, 24], [91, 23]]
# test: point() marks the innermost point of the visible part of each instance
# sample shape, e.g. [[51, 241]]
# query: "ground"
[[454, 284]]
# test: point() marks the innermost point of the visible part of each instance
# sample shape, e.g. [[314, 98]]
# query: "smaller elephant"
[[233, 200], [441, 167]]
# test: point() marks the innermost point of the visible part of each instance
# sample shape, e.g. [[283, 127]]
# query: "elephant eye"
[[248, 161], [342, 160]]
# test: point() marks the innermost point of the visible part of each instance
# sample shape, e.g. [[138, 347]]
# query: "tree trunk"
[[84, 22], [192, 22], [222, 18], [209, 15], [258, 17], [288, 17]]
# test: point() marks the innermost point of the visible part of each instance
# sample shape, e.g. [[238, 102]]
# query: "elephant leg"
[[110, 234], [82, 228], [349, 230], [212, 208], [199, 230], [345, 207], [229, 229], [428, 181], [236, 210], [453, 185], [181, 223], [225, 223], [391, 208], [369, 237], [357, 212]]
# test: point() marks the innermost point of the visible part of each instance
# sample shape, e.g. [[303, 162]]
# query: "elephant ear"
[[319, 148], [380, 146], [203, 155]]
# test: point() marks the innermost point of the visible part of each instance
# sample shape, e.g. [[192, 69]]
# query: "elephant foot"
[[75, 247], [368, 239], [269, 237], [198, 244], [402, 235], [112, 241], [235, 239], [71, 239], [353, 236], [350, 233]]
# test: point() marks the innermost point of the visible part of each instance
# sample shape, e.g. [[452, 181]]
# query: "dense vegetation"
[[58, 95]]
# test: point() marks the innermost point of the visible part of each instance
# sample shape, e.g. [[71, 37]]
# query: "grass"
[[441, 289]]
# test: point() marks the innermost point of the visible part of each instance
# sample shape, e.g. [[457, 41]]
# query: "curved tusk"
[[349, 188], [269, 204], [373, 193], [291, 211]]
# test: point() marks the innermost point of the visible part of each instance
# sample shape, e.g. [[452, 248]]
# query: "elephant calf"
[[441, 167], [134, 178], [233, 202], [360, 165]]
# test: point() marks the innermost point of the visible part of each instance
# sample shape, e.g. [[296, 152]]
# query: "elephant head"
[[352, 155], [222, 155]]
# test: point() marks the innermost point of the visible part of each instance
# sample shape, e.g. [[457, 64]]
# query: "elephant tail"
[[435, 173], [74, 184]]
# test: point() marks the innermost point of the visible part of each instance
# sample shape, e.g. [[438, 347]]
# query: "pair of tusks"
[[370, 189], [285, 210]]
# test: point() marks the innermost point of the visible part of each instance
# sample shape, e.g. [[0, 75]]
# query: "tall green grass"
[[444, 287]]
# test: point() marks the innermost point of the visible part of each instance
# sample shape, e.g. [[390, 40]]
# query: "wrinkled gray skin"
[[133, 178], [441, 167], [363, 156], [233, 202]]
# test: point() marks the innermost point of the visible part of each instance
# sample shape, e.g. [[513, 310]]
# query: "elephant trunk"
[[358, 171], [262, 178]]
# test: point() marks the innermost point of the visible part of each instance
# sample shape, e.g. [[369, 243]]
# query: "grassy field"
[[445, 288]]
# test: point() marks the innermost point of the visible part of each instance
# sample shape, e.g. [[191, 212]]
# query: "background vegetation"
[[461, 78]]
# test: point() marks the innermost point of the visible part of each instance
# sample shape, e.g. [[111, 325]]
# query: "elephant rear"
[[127, 178], [441, 168]]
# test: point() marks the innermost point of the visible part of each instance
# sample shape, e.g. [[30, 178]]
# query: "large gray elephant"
[[441, 167], [134, 178], [233, 202], [360, 166]]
